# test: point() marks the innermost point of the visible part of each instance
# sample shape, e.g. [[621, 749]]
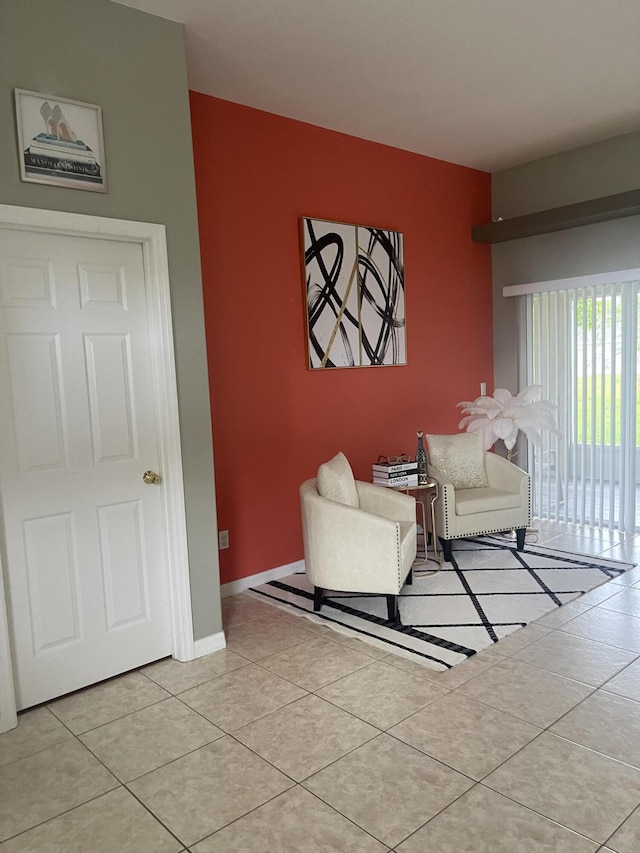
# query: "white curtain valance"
[[576, 283]]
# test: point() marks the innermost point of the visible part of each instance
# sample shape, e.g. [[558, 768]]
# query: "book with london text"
[[386, 475], [388, 468], [398, 482]]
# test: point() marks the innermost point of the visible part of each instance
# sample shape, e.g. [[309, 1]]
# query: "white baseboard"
[[234, 587], [216, 642], [210, 644]]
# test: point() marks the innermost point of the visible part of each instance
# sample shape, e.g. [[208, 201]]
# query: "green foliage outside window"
[[612, 413]]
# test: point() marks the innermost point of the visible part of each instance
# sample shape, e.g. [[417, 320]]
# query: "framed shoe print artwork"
[[60, 142]]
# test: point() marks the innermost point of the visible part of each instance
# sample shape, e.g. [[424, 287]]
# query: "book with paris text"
[[388, 468], [397, 482], [389, 475]]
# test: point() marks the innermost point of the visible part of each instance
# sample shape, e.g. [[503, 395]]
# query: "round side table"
[[426, 492]]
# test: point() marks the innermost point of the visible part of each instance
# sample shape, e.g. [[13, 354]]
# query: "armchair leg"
[[318, 592], [409, 577], [393, 613], [520, 535], [446, 549]]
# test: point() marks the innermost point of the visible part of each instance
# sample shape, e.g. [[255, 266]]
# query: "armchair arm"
[[445, 503], [446, 489], [386, 502], [504, 475]]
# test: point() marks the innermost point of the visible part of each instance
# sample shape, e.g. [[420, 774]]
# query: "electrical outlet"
[[483, 389], [223, 539]]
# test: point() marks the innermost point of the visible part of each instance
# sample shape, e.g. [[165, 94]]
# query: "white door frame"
[[152, 239]]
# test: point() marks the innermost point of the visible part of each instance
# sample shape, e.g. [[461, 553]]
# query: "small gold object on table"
[[424, 492]]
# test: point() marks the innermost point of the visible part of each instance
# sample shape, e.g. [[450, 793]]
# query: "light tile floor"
[[298, 740]]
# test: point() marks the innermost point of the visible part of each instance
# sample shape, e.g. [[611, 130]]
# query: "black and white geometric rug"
[[488, 591]]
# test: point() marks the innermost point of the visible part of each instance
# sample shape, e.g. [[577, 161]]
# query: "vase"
[[421, 461]]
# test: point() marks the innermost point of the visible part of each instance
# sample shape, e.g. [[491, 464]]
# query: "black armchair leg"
[[393, 612], [521, 532], [318, 592], [409, 578], [446, 549]]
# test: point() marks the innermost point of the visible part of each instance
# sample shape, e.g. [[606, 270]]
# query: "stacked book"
[[402, 475]]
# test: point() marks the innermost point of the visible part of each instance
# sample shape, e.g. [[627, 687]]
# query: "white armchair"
[[478, 491], [357, 537]]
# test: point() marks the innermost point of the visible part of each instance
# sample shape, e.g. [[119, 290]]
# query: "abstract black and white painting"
[[354, 287]]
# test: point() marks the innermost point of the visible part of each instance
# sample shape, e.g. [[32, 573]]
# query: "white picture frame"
[[60, 141]]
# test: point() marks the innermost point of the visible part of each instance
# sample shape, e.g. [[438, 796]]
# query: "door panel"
[[35, 371], [124, 569], [52, 579], [26, 283], [111, 402], [85, 543]]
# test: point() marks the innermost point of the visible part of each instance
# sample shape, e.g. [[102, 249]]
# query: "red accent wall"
[[274, 421]]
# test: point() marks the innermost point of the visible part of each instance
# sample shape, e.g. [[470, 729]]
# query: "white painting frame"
[[60, 141]]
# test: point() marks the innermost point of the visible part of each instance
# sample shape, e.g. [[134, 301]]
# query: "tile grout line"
[[380, 731]]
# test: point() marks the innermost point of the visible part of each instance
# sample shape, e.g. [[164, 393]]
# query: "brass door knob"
[[151, 478]]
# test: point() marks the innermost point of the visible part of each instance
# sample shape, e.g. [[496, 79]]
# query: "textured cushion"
[[336, 481], [459, 458]]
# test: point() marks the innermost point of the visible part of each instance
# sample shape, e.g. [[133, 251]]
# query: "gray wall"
[[596, 170], [133, 65]]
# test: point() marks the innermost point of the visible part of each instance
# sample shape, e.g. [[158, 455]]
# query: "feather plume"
[[503, 416]]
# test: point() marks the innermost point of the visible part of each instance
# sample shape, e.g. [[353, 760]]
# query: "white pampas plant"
[[503, 416]]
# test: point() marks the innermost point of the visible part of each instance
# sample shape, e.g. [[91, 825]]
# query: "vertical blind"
[[582, 347]]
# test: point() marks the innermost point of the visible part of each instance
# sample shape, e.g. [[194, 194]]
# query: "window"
[[582, 347]]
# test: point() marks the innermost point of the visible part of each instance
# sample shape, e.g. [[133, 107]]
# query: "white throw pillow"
[[336, 481], [459, 458]]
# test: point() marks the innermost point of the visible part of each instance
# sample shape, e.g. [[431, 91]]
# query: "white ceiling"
[[484, 83]]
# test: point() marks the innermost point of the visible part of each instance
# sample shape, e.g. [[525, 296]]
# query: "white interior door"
[[84, 539]]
